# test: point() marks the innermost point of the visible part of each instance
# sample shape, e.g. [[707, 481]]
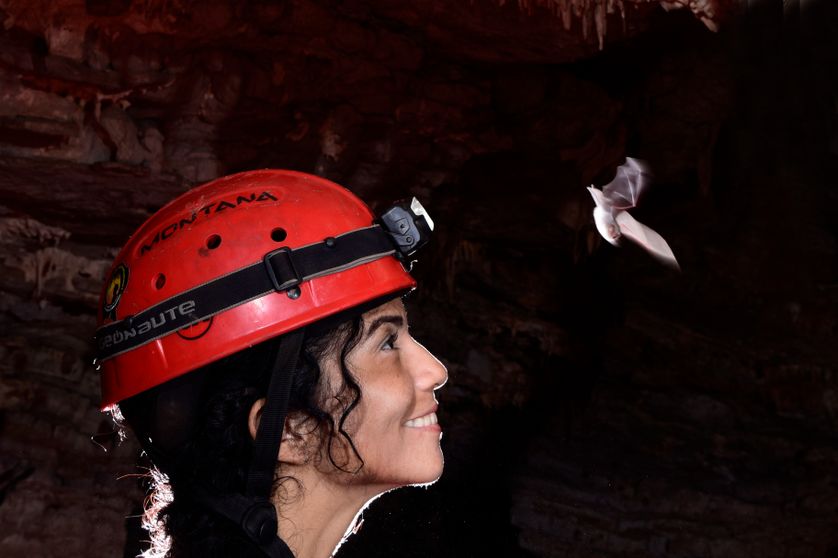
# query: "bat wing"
[[646, 237], [630, 181]]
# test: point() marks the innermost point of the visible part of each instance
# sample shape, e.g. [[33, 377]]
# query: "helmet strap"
[[260, 477], [255, 516], [254, 511], [259, 520]]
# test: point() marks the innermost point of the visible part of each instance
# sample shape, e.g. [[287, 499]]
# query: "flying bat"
[[612, 218]]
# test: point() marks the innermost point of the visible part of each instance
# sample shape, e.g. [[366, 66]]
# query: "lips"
[[424, 420]]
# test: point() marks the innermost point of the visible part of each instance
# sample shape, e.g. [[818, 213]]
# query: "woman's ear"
[[255, 416], [292, 449]]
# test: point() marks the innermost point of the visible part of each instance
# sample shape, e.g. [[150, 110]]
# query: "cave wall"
[[598, 404]]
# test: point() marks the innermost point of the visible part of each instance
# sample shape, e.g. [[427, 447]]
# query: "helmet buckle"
[[281, 270]]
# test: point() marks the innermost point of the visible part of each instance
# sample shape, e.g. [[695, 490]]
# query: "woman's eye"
[[389, 343]]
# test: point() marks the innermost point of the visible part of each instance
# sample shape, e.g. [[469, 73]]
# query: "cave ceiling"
[[188, 90]]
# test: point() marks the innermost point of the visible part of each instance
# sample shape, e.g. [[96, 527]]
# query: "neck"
[[316, 515]]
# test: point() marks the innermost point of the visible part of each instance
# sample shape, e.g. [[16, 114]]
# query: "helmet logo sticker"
[[195, 331], [215, 207], [116, 286]]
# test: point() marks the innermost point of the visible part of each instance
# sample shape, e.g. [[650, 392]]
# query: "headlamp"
[[409, 225]]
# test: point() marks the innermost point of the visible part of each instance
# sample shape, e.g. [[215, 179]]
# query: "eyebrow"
[[396, 320]]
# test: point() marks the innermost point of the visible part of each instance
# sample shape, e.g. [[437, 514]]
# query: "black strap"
[[260, 476], [254, 511], [279, 270], [256, 518]]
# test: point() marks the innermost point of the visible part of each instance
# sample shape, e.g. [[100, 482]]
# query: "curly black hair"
[[200, 422]]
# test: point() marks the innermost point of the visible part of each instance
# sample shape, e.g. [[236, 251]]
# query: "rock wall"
[[598, 404]]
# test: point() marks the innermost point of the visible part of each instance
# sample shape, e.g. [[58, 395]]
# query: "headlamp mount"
[[409, 225]]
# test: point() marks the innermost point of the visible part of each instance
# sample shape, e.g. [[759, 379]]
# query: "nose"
[[429, 373]]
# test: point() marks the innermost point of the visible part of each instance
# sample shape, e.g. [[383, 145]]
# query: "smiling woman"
[[396, 429], [302, 397]]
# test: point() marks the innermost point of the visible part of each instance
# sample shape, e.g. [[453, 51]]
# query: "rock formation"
[[598, 405]]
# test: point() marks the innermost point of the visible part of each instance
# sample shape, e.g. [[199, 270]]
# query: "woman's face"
[[394, 426]]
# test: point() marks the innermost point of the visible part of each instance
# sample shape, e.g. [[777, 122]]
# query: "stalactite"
[[596, 12], [566, 15], [601, 22]]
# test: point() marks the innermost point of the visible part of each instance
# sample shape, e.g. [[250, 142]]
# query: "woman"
[[252, 334]]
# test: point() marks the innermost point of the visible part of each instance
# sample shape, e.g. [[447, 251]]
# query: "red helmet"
[[237, 261]]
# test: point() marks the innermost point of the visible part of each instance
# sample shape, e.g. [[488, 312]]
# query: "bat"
[[612, 218]]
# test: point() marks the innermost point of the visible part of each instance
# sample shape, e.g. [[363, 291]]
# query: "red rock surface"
[[598, 405]]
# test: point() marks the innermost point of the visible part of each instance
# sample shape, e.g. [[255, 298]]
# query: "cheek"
[[386, 402]]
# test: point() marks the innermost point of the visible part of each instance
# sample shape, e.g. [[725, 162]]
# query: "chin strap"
[[253, 511], [255, 517], [259, 520], [260, 476]]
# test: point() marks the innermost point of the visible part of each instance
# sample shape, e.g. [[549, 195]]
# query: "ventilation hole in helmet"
[[278, 234], [159, 281], [213, 242]]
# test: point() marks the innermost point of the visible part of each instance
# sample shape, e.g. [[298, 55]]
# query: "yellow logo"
[[116, 286]]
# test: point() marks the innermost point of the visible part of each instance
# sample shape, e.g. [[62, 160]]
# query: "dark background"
[[599, 404]]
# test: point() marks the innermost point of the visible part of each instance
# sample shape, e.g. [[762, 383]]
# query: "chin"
[[428, 482], [426, 475], [432, 474]]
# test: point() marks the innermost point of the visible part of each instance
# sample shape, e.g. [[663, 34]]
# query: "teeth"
[[427, 420]]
